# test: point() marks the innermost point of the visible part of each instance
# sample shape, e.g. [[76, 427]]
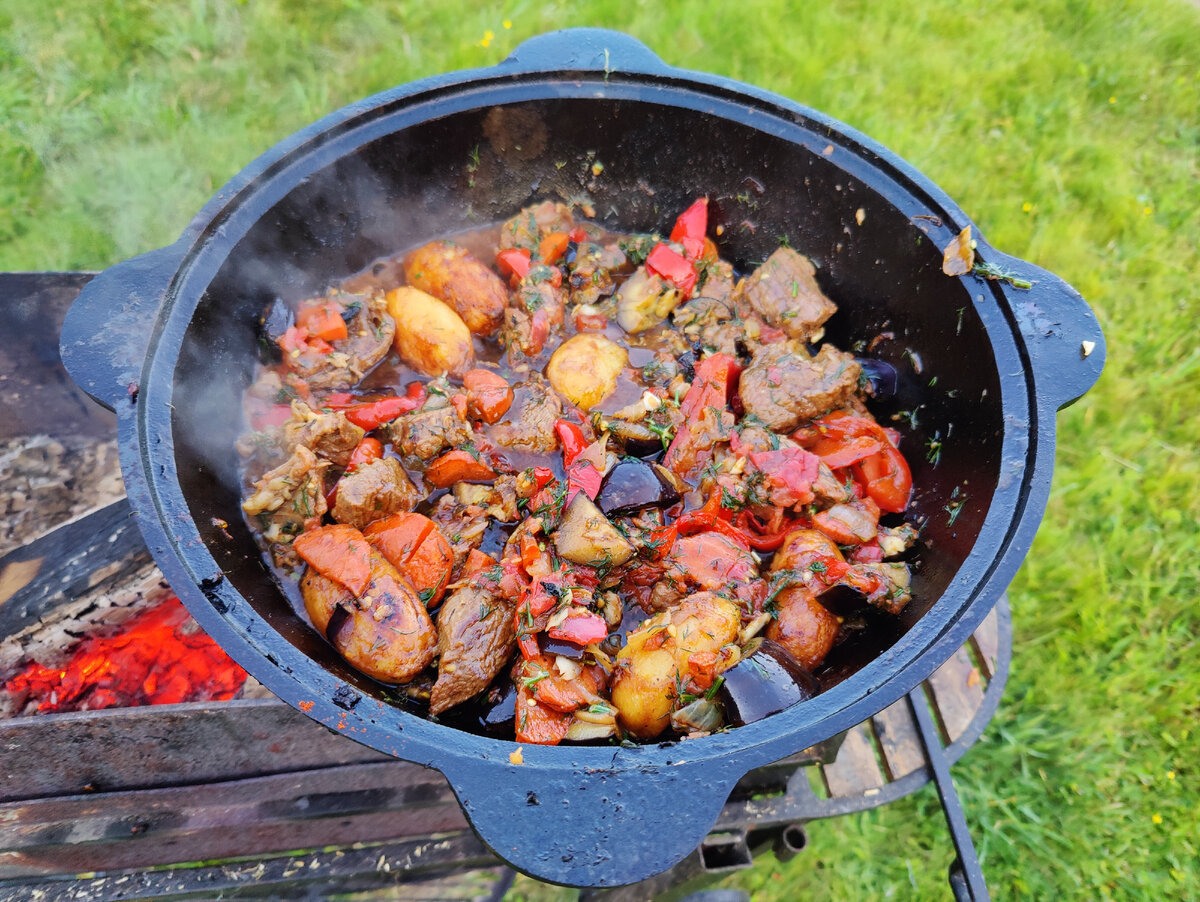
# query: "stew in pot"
[[564, 484]]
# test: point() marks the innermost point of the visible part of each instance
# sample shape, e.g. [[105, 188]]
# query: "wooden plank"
[[855, 771], [303, 875], [899, 740], [957, 693], [355, 803], [164, 745], [987, 642]]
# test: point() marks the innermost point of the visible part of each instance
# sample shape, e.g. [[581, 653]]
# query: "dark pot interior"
[[640, 161]]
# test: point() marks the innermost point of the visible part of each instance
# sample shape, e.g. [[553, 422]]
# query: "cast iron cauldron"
[[167, 340]]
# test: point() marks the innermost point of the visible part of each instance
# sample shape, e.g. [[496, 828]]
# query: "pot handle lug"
[[585, 49], [1064, 339], [107, 330], [584, 827]]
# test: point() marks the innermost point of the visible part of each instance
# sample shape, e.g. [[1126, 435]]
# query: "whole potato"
[[451, 274], [803, 626], [648, 673], [585, 368], [430, 337]]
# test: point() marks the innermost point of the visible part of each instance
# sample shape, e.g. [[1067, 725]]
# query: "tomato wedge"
[[416, 547]]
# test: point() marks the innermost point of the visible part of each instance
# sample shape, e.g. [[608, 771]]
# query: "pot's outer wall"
[[469, 148]]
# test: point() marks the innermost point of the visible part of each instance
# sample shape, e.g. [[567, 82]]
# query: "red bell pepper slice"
[[580, 629], [373, 414], [667, 263], [458, 465], [691, 227], [572, 440], [515, 261], [367, 450]]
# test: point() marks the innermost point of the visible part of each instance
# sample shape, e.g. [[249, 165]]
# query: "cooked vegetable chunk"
[[430, 336]]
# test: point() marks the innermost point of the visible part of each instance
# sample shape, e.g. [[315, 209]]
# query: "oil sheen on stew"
[[565, 485]]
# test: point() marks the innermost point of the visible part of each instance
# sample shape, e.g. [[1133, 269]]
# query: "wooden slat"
[[957, 693], [987, 642], [355, 803], [899, 740], [855, 771], [164, 745]]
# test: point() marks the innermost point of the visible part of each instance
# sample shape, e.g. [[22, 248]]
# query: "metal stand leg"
[[966, 876]]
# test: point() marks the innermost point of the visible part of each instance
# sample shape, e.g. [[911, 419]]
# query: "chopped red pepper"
[[580, 629], [514, 261], [667, 263], [691, 227], [887, 479], [578, 234], [367, 450], [458, 465], [572, 440], [488, 394]]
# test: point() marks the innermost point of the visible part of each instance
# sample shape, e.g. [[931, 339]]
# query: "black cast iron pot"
[[167, 340]]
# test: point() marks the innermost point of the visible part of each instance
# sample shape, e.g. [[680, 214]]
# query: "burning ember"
[[159, 657]]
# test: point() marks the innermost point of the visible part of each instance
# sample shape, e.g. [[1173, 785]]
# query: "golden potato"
[[430, 337], [585, 368], [647, 677], [390, 637], [450, 273], [803, 626]]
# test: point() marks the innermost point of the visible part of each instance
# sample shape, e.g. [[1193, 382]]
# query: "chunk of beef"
[[533, 223], [529, 425], [476, 638], [718, 283], [373, 491], [328, 435], [463, 525], [428, 432], [288, 499], [784, 387], [370, 332], [784, 292]]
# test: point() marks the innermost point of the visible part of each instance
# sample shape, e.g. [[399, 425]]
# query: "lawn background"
[[1069, 130]]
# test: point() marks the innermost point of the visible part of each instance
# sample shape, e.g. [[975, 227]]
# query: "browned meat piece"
[[288, 498], [529, 425], [386, 634], [475, 640], [373, 491], [718, 282], [828, 490], [463, 525], [533, 223], [784, 387], [427, 432], [328, 435], [370, 336], [454, 275], [591, 275], [784, 292], [895, 586]]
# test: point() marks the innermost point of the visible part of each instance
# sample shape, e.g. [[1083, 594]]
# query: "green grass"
[[1069, 130]]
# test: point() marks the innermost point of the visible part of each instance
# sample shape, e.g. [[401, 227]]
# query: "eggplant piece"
[[883, 381], [500, 716], [637, 439], [632, 485], [766, 681], [271, 326]]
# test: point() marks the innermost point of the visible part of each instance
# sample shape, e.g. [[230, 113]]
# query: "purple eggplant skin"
[[632, 485], [883, 380], [766, 681]]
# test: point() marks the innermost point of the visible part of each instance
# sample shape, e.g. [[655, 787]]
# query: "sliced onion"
[[607, 716], [582, 731], [701, 716]]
